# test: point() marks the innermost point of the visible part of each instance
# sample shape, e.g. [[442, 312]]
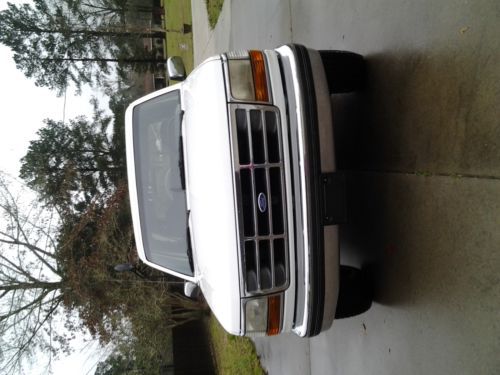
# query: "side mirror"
[[175, 68], [191, 290]]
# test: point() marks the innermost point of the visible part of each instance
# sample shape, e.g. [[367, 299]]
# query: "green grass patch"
[[214, 7], [233, 354], [178, 24]]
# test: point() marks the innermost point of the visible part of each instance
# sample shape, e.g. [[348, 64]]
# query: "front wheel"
[[355, 294], [345, 71]]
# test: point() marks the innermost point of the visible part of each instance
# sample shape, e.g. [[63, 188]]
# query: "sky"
[[23, 107]]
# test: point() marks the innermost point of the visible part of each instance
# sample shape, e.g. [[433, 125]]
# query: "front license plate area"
[[334, 198]]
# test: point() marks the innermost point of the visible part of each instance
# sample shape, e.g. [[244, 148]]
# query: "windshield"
[[162, 199]]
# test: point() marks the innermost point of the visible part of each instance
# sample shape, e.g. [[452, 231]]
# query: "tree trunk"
[[94, 59], [32, 285], [160, 34]]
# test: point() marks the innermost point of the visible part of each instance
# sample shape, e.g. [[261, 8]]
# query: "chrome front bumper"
[[306, 105]]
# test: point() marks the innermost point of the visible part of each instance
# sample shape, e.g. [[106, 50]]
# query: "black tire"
[[345, 71], [355, 295]]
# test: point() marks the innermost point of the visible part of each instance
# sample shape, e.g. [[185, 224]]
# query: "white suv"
[[233, 187]]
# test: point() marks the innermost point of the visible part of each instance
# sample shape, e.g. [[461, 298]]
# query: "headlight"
[[247, 76], [263, 315], [256, 315], [241, 80]]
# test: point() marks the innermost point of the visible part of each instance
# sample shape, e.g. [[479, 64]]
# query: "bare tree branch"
[[30, 282]]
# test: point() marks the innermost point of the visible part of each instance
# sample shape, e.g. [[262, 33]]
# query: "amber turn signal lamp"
[[259, 75], [273, 315]]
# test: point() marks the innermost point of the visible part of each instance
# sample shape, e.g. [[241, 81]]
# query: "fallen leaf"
[[463, 30]]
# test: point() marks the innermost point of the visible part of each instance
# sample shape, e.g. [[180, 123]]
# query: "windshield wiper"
[[182, 171], [189, 249]]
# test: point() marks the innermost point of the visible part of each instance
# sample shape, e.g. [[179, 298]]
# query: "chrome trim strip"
[[289, 61], [293, 246]]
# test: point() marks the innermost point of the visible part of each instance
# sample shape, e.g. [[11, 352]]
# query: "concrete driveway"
[[421, 148]]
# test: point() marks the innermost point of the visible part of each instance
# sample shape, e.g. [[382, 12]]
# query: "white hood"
[[210, 191]]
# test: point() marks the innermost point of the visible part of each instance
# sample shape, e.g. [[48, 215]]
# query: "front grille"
[[259, 169]]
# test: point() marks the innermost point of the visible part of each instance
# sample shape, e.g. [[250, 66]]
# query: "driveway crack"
[[427, 174]]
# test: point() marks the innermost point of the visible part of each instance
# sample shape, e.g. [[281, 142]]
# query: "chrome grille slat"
[[270, 215], [267, 223]]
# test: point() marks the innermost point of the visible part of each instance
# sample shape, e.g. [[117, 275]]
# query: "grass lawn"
[[233, 354], [179, 39], [214, 8]]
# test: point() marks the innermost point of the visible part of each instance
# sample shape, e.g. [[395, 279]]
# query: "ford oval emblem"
[[262, 202]]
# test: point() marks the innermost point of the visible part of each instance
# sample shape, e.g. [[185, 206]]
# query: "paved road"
[[421, 148]]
